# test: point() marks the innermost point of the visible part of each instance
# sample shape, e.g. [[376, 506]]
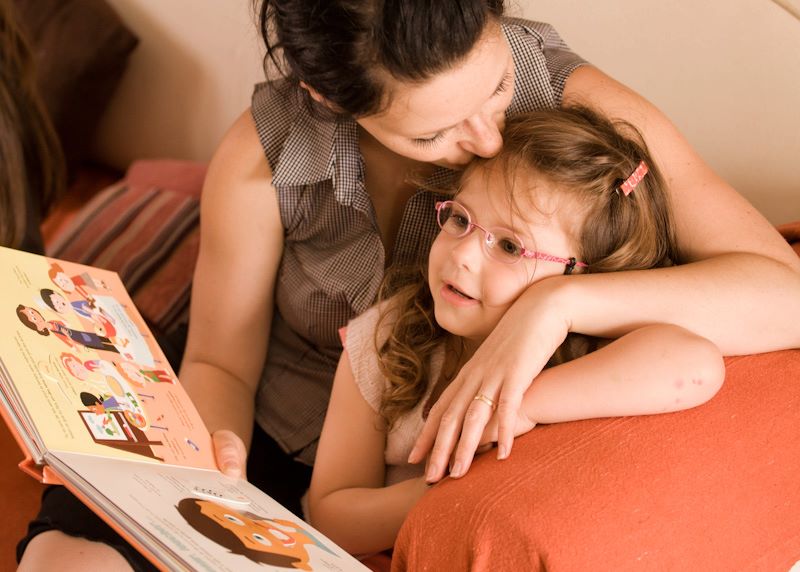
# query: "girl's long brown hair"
[[584, 156], [31, 162]]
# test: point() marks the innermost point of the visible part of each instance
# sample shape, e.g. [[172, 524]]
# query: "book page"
[[203, 519], [78, 363]]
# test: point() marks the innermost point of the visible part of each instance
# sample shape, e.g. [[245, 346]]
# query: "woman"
[[309, 198]]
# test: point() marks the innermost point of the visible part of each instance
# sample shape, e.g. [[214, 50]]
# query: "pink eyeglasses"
[[501, 244]]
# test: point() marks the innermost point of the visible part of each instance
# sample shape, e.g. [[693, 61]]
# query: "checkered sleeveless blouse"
[[333, 259]]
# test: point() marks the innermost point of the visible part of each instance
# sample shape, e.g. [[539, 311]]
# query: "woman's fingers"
[[478, 414], [508, 410], [431, 428], [449, 429], [230, 453]]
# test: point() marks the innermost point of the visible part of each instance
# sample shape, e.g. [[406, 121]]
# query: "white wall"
[[726, 72], [190, 76]]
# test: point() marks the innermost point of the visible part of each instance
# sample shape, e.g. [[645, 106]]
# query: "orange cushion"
[[712, 488]]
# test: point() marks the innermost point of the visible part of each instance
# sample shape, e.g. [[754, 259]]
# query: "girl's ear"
[[316, 96]]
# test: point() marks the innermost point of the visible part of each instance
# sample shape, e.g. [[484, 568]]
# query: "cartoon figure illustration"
[[97, 372], [33, 319], [100, 404], [139, 376], [75, 366], [78, 283], [270, 541], [103, 323], [127, 403], [59, 304]]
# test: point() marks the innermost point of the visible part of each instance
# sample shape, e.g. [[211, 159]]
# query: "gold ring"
[[487, 400]]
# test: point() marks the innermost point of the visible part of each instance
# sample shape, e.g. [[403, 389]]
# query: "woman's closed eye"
[[504, 84], [430, 142]]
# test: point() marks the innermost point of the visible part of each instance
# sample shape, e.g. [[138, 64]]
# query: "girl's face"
[[471, 290], [454, 116]]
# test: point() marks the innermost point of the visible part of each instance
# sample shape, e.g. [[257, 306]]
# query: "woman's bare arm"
[[740, 288], [232, 295]]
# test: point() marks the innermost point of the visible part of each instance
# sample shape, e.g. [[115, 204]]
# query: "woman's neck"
[[389, 179]]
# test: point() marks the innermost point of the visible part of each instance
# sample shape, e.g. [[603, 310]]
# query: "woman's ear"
[[316, 96]]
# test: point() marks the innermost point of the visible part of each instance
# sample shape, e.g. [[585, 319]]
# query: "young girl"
[[570, 193]]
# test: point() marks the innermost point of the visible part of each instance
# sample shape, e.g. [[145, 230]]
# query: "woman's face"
[[454, 116]]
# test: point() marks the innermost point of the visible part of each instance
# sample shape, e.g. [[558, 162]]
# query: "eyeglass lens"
[[500, 243]]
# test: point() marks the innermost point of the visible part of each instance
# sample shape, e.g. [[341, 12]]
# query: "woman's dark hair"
[[345, 49], [32, 172]]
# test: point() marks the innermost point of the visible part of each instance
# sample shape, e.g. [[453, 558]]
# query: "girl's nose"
[[468, 250]]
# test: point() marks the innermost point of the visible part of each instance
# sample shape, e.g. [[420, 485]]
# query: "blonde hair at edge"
[[586, 157]]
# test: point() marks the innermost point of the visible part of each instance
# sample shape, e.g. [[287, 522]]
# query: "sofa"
[[715, 488], [712, 488]]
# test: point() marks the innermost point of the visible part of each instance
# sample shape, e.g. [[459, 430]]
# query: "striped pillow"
[[150, 236]]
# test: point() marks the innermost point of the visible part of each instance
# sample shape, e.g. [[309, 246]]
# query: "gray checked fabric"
[[333, 260]]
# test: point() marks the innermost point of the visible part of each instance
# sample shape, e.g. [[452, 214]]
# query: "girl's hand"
[[230, 453], [501, 370]]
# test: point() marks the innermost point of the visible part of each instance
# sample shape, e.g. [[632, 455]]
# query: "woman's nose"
[[482, 134]]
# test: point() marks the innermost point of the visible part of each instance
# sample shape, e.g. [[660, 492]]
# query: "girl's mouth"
[[459, 292]]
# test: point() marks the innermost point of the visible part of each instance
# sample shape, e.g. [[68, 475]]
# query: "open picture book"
[[95, 406]]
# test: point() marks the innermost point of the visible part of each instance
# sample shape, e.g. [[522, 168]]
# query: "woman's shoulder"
[[539, 52], [543, 33], [274, 105], [238, 153]]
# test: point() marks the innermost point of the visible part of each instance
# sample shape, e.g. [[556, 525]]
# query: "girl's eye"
[[509, 247], [459, 220], [261, 539], [234, 520]]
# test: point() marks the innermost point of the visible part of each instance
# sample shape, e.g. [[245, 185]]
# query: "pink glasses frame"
[[570, 263]]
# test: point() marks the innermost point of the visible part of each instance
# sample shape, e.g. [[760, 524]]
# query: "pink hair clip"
[[635, 178]]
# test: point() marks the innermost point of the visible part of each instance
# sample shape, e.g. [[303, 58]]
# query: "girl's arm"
[[347, 499], [232, 294], [655, 369], [739, 289]]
